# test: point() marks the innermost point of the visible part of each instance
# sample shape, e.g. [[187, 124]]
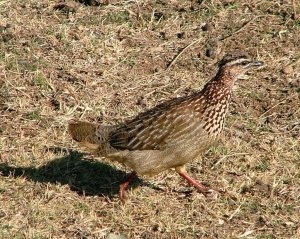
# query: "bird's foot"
[[209, 190], [124, 185], [201, 188], [122, 192]]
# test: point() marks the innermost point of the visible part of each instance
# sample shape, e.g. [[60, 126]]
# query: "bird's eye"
[[243, 63]]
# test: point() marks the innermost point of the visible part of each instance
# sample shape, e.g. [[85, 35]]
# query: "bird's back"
[[174, 122]]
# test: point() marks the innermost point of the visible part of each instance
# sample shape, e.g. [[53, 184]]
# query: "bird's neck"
[[215, 97], [219, 88]]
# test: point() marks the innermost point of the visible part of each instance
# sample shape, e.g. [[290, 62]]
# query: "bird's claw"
[[206, 191]]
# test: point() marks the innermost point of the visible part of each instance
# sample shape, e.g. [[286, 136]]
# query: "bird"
[[171, 134]]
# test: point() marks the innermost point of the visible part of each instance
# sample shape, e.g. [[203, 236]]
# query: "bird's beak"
[[256, 63]]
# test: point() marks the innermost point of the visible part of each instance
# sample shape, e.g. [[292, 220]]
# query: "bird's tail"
[[93, 137]]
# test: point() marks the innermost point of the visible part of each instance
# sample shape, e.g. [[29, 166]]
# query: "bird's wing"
[[157, 128]]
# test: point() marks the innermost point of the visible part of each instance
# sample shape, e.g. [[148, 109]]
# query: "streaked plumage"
[[170, 134]]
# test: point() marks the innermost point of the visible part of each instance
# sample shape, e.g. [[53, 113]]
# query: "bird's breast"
[[214, 117]]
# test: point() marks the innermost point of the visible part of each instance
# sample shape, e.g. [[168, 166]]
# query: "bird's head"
[[237, 63]]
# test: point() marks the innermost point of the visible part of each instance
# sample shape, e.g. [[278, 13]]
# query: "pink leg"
[[203, 189], [193, 182], [124, 185]]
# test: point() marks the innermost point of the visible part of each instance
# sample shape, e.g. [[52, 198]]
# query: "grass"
[[107, 63]]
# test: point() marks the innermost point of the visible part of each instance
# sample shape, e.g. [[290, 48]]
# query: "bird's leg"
[[124, 185], [182, 172]]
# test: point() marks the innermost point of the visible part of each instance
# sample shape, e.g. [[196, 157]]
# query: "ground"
[[106, 63]]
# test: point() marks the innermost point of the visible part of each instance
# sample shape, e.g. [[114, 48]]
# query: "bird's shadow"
[[89, 177]]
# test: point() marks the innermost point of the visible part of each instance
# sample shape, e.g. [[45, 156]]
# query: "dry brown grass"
[[106, 64]]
